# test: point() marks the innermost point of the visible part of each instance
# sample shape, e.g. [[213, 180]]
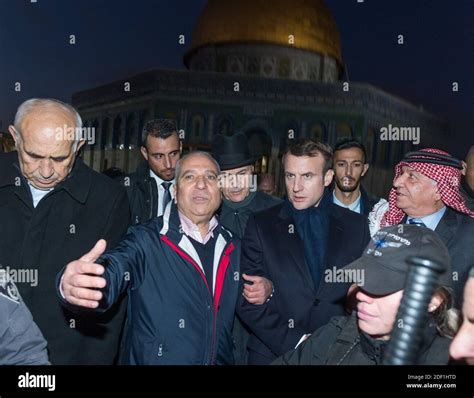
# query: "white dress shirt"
[[354, 206], [38, 194], [431, 221]]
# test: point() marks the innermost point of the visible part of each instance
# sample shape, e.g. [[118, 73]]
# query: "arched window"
[[260, 145], [105, 134], [91, 135], [117, 129], [85, 150], [370, 144], [318, 132], [145, 116], [225, 126], [92, 138], [382, 151], [198, 127], [343, 130], [131, 133], [395, 149]]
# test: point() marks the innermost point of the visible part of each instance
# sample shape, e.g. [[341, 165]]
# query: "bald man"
[[54, 208]]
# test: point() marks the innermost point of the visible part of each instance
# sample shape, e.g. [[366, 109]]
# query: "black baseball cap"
[[384, 262]]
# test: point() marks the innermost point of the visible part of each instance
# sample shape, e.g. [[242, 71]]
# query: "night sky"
[[117, 38]]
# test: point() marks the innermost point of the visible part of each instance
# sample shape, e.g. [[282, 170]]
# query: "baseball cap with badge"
[[384, 260]]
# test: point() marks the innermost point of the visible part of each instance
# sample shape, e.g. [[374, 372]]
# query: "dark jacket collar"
[[143, 171], [285, 219], [375, 349], [293, 242], [9, 169], [367, 201], [239, 205], [77, 184], [334, 212], [79, 181], [447, 226]]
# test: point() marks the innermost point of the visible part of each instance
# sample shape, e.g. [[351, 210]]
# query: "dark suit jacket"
[[457, 233], [468, 195], [367, 201], [142, 193], [65, 224], [271, 247]]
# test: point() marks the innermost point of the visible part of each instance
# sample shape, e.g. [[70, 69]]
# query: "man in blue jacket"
[[181, 271]]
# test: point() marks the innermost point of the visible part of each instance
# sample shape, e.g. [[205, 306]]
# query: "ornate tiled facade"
[[267, 110], [273, 72]]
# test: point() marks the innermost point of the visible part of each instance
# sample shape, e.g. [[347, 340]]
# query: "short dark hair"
[[348, 143], [310, 147], [159, 128]]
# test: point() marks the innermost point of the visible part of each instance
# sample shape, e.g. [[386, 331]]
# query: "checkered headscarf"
[[447, 177]]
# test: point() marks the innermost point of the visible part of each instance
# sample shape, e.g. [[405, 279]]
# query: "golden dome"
[[308, 22]]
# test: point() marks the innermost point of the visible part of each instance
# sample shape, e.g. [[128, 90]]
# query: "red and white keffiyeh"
[[448, 179]]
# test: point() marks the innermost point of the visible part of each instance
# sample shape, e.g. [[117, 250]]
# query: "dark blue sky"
[[116, 38]]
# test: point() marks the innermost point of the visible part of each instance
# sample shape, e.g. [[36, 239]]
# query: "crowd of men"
[[193, 260]]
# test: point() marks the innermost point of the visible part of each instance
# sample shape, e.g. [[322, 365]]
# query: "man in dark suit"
[[240, 198], [52, 209], [467, 180], [296, 245], [426, 191], [350, 165], [150, 188]]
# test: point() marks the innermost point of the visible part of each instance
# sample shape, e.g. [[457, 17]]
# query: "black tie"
[[416, 221], [167, 196]]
